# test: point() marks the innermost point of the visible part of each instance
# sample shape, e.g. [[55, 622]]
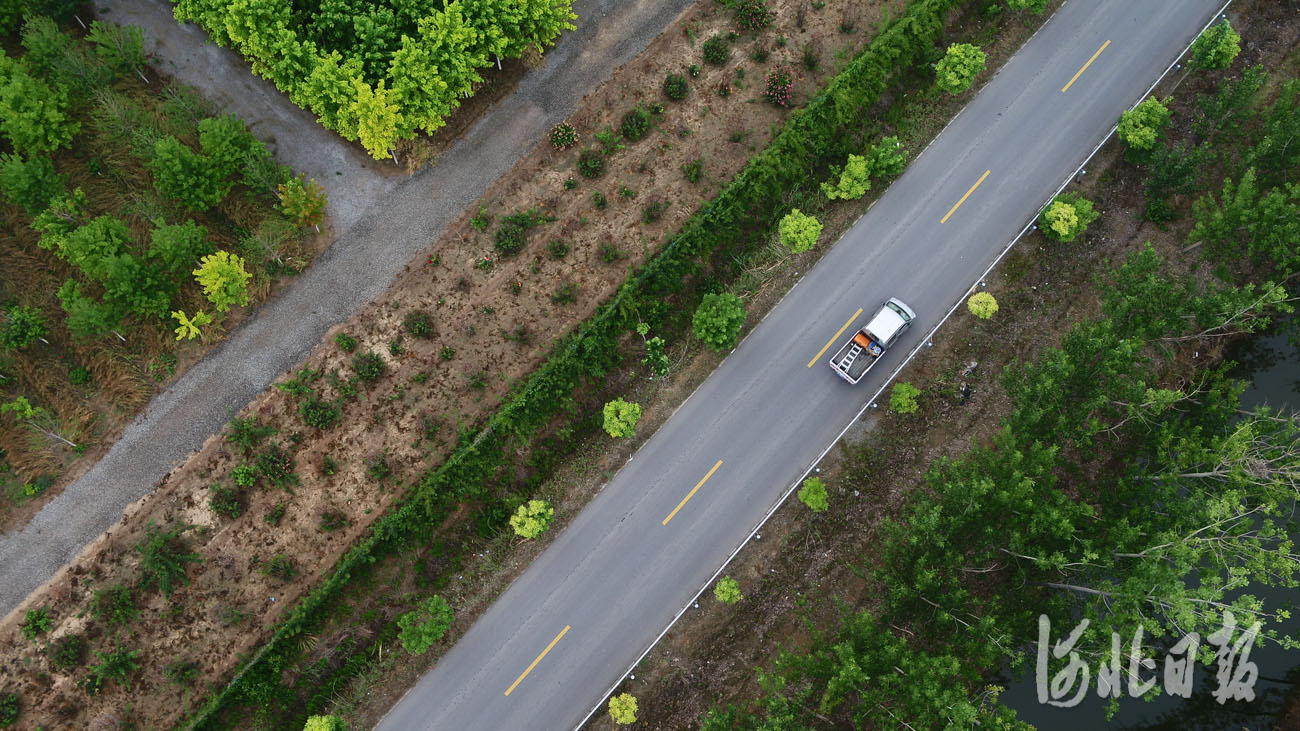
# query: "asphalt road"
[[618, 574], [383, 223]]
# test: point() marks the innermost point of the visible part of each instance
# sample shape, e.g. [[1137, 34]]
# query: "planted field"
[[117, 186], [304, 471]]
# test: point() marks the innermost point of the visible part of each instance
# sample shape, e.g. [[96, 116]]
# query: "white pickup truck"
[[852, 361]]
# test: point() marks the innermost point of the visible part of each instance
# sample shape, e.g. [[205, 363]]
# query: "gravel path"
[[382, 222]]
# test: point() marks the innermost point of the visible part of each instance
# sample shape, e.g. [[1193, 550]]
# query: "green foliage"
[[693, 170], [799, 231], [1066, 217], [532, 518], [621, 418], [591, 163], [181, 672], [276, 465], [319, 413], [855, 180], [163, 558], [635, 125], [1216, 47], [903, 398], [1139, 127], [1246, 223], [345, 342], [186, 176], [177, 247], [751, 14], [117, 665], [716, 50], [982, 305], [369, 366], [302, 201], [622, 709], [325, 723], [224, 279], [512, 236], [956, 71], [120, 47], [22, 327], [418, 323], [225, 501], [425, 626], [676, 87], [886, 158], [813, 493], [727, 590], [114, 605], [189, 328], [246, 434], [34, 114], [37, 622], [279, 567], [779, 85], [1033, 6], [67, 652], [31, 183], [718, 320], [9, 709], [1173, 170]]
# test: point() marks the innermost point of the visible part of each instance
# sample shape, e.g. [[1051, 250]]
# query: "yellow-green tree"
[[855, 181], [622, 709], [813, 494], [1067, 216], [325, 723], [1139, 127], [727, 590], [621, 417], [1216, 47], [982, 305], [189, 328], [799, 231], [957, 70], [532, 518], [903, 398], [224, 279]]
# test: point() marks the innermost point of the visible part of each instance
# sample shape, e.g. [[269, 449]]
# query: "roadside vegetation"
[[135, 216]]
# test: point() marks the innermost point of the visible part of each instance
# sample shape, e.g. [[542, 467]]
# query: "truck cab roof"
[[890, 321]]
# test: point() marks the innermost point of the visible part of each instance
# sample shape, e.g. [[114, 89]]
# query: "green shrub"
[[447, 352], [799, 231], [246, 433], [225, 501], [752, 14], [78, 376], [418, 324], [1033, 6], [718, 319], [1139, 127], [591, 163], [325, 723], [621, 418], [279, 567], [532, 518], [9, 711], [813, 494], [37, 622], [423, 627], [244, 474], [957, 70], [609, 253], [717, 50], [903, 398], [22, 327], [30, 184], [727, 590], [512, 236], [565, 294], [346, 342], [982, 305], [117, 665], [676, 87], [779, 85], [653, 210], [163, 558], [622, 709], [185, 176], [1216, 47], [599, 201], [377, 467], [558, 249], [563, 136], [369, 366], [319, 413], [276, 465], [66, 653], [635, 125], [693, 170], [1066, 217], [114, 605]]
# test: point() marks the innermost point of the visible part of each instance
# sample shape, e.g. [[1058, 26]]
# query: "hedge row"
[[826, 130]]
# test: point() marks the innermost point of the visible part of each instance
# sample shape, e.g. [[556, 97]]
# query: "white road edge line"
[[928, 337]]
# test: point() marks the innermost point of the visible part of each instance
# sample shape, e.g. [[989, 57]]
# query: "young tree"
[[621, 418], [982, 305], [34, 114], [1033, 6], [1245, 224], [325, 723], [186, 176], [799, 231], [377, 118], [727, 590], [86, 317], [1066, 217], [622, 709], [22, 327], [813, 495], [163, 558], [227, 144], [957, 70], [718, 320], [425, 626], [855, 181], [224, 280], [35, 418], [1216, 47], [655, 357], [29, 184], [903, 398], [120, 47], [532, 518], [187, 328], [302, 201], [177, 246], [1139, 127], [886, 158]]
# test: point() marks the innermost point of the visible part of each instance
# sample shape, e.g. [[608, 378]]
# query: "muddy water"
[[1272, 366]]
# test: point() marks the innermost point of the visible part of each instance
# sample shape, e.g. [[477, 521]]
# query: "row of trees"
[[379, 73]]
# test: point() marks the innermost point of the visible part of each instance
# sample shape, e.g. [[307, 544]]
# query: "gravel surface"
[[383, 223]]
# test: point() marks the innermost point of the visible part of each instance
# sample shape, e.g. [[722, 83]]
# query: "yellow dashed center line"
[[525, 673], [690, 494], [1079, 73], [834, 337], [963, 198]]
